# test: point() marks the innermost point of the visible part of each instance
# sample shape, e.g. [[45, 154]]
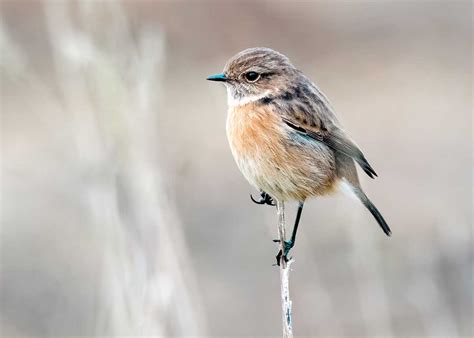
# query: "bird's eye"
[[252, 76]]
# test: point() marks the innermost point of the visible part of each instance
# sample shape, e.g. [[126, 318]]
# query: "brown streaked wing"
[[313, 117]]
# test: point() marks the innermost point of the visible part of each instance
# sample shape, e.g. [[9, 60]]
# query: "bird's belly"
[[277, 160]]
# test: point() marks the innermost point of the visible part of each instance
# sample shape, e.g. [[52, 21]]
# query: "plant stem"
[[284, 275]]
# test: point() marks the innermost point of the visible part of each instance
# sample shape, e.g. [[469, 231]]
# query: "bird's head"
[[254, 74]]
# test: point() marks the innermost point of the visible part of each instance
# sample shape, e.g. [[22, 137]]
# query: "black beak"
[[218, 77]]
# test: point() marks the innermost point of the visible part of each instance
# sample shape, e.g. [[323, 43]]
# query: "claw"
[[288, 245], [269, 200], [278, 258], [264, 199], [261, 201]]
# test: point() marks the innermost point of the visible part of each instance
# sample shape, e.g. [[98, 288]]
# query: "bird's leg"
[[264, 199], [291, 242]]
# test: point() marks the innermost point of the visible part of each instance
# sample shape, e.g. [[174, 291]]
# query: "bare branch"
[[284, 275]]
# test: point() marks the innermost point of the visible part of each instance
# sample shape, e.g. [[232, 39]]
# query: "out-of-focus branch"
[[284, 275]]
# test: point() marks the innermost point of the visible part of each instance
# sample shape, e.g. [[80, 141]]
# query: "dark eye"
[[252, 76]]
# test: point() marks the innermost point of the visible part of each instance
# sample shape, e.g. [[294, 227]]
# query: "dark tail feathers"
[[373, 210]]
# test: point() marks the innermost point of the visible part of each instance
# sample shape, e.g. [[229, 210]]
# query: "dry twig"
[[284, 275]]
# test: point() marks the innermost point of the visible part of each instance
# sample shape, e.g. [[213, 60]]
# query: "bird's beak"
[[218, 77]]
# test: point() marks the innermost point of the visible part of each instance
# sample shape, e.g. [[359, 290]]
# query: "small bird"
[[285, 137]]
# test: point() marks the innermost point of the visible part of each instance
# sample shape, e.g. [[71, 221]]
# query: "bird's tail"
[[349, 179], [373, 210]]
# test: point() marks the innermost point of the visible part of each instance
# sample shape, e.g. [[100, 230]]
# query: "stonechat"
[[285, 137]]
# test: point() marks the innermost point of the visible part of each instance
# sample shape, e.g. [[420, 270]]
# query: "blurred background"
[[123, 213]]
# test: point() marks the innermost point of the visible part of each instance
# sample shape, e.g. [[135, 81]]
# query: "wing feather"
[[309, 113]]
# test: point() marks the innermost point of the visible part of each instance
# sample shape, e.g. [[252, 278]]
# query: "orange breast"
[[271, 160], [255, 132]]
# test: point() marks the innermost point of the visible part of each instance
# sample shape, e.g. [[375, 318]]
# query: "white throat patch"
[[235, 102]]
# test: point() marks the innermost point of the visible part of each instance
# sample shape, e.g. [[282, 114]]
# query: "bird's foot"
[[287, 247], [264, 199]]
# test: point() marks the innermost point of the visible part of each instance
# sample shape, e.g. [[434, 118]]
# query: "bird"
[[285, 137]]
